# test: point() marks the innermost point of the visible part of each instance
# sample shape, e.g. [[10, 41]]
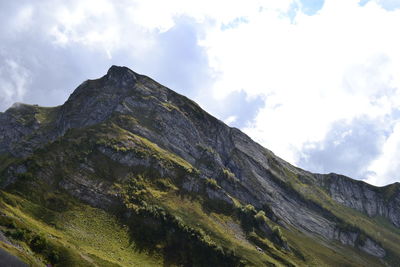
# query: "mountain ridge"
[[204, 155]]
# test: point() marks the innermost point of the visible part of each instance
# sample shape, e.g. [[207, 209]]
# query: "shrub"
[[361, 239], [278, 238], [11, 225], [25, 176], [53, 257], [212, 183], [246, 216], [7, 222], [229, 175], [164, 184], [258, 241], [277, 232], [249, 209], [260, 217], [20, 234], [38, 244]]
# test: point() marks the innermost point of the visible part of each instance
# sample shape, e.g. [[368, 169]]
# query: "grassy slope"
[[88, 236], [223, 229], [91, 234], [317, 253]]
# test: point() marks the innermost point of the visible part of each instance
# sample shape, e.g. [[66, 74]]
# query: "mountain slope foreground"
[[129, 173]]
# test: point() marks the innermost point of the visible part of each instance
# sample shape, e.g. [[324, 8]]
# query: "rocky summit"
[[129, 173]]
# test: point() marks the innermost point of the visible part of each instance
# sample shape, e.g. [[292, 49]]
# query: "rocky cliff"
[[373, 201], [124, 142]]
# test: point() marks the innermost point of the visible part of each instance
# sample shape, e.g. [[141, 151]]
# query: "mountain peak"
[[121, 73]]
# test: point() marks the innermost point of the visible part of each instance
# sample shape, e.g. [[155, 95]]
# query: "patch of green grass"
[[81, 236], [26, 114], [100, 234], [170, 107], [46, 115], [317, 252], [210, 182]]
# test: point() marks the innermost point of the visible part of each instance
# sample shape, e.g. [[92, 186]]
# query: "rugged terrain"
[[129, 173]]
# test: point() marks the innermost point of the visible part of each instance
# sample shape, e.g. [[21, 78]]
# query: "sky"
[[317, 82]]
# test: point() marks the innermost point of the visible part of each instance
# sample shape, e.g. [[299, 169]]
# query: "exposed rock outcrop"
[[363, 197]]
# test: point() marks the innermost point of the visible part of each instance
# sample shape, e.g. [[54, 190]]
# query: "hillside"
[[129, 173]]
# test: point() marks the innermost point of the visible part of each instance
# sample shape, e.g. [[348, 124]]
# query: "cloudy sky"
[[317, 82]]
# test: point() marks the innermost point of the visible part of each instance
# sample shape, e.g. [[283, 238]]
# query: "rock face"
[[363, 197], [21, 130], [243, 170], [10, 260]]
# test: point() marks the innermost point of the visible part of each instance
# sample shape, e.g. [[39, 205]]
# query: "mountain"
[[129, 173]]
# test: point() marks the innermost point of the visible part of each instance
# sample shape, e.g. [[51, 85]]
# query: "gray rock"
[[363, 197]]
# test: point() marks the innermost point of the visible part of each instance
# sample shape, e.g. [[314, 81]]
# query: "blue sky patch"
[[389, 5], [311, 7]]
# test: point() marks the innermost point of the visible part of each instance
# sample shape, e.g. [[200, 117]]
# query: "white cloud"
[[385, 168], [111, 26], [14, 79], [230, 119], [341, 63]]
